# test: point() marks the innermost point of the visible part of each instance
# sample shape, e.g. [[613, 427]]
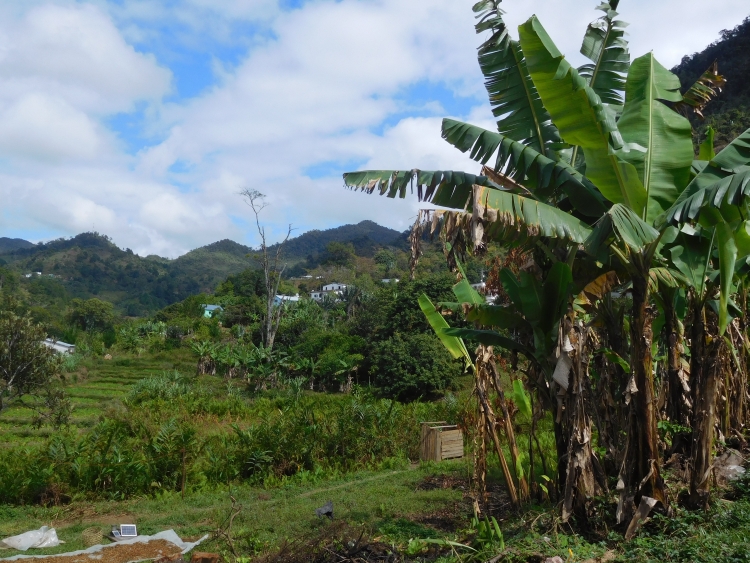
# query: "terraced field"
[[96, 385]]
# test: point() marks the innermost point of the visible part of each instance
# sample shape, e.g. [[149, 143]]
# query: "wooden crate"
[[441, 441]]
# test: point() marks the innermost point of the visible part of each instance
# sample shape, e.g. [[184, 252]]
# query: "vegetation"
[[594, 189]]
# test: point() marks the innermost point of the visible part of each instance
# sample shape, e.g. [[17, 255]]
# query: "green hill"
[[729, 113], [11, 244], [91, 265]]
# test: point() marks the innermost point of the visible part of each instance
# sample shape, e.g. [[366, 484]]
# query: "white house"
[[390, 280], [279, 299], [334, 287], [60, 347]]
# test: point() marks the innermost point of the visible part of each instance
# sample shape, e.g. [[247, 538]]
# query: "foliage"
[[91, 314], [29, 367], [409, 366]]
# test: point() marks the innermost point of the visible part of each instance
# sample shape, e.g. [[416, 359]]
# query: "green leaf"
[[726, 175], [455, 346], [512, 93], [727, 259], [581, 118], [664, 168], [538, 173], [625, 225], [441, 187], [707, 151], [557, 293], [691, 257], [606, 47], [615, 358], [463, 290], [521, 398], [488, 315], [489, 338]]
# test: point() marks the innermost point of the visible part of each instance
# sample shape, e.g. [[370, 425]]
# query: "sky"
[[144, 119]]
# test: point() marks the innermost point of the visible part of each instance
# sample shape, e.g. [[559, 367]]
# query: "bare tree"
[[271, 263]]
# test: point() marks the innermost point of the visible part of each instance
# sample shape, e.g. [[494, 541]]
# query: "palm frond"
[[441, 187], [508, 218], [606, 47], [705, 89], [524, 165], [512, 93]]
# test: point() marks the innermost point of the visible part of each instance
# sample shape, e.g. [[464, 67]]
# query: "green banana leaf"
[[705, 89], [606, 47], [441, 187], [512, 93], [455, 346], [664, 169], [486, 315], [707, 151], [489, 338], [726, 175], [521, 398], [692, 257], [581, 118], [625, 225], [538, 173], [727, 259]]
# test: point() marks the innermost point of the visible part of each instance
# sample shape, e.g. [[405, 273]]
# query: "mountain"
[[729, 112], [91, 265], [11, 244]]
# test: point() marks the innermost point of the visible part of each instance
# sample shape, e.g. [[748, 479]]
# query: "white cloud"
[[319, 84]]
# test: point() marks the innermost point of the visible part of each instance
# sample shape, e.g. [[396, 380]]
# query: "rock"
[[107, 356], [555, 559], [325, 510], [728, 466]]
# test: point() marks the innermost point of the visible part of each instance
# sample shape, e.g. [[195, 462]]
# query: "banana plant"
[[598, 157]]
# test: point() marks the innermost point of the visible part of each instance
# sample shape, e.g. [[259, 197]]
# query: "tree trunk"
[[704, 374], [642, 474], [677, 403], [584, 477]]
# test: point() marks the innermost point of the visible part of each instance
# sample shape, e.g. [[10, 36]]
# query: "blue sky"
[[144, 119]]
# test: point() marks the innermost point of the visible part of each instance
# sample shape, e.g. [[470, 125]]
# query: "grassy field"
[[394, 500], [94, 386]]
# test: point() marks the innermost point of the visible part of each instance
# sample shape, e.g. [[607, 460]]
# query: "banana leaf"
[[512, 93], [455, 346], [705, 89], [664, 169], [606, 47], [441, 187], [539, 174], [623, 224], [581, 118]]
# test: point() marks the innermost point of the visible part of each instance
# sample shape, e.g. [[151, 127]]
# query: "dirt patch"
[[339, 542], [432, 482], [117, 553]]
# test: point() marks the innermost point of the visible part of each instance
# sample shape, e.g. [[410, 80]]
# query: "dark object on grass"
[[325, 510]]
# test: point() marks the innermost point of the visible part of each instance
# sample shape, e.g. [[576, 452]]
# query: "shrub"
[[409, 366]]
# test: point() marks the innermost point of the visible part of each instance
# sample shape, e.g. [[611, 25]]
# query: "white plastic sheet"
[[43, 537], [168, 535]]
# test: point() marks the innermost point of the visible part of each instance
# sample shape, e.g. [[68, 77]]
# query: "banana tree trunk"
[[642, 467], [704, 375], [677, 403], [584, 476]]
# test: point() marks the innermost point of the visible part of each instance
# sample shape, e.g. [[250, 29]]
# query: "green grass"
[[386, 501]]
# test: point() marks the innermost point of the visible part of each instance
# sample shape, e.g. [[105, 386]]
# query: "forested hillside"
[[729, 113], [92, 265]]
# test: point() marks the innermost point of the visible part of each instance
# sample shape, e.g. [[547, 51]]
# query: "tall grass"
[[157, 437]]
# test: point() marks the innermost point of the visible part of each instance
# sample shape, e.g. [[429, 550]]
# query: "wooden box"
[[441, 441]]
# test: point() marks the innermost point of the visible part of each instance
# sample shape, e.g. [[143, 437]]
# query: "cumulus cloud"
[[307, 93]]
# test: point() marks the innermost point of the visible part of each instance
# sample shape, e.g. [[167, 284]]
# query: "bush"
[[409, 366]]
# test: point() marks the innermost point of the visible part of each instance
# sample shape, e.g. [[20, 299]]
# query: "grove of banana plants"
[[623, 296]]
